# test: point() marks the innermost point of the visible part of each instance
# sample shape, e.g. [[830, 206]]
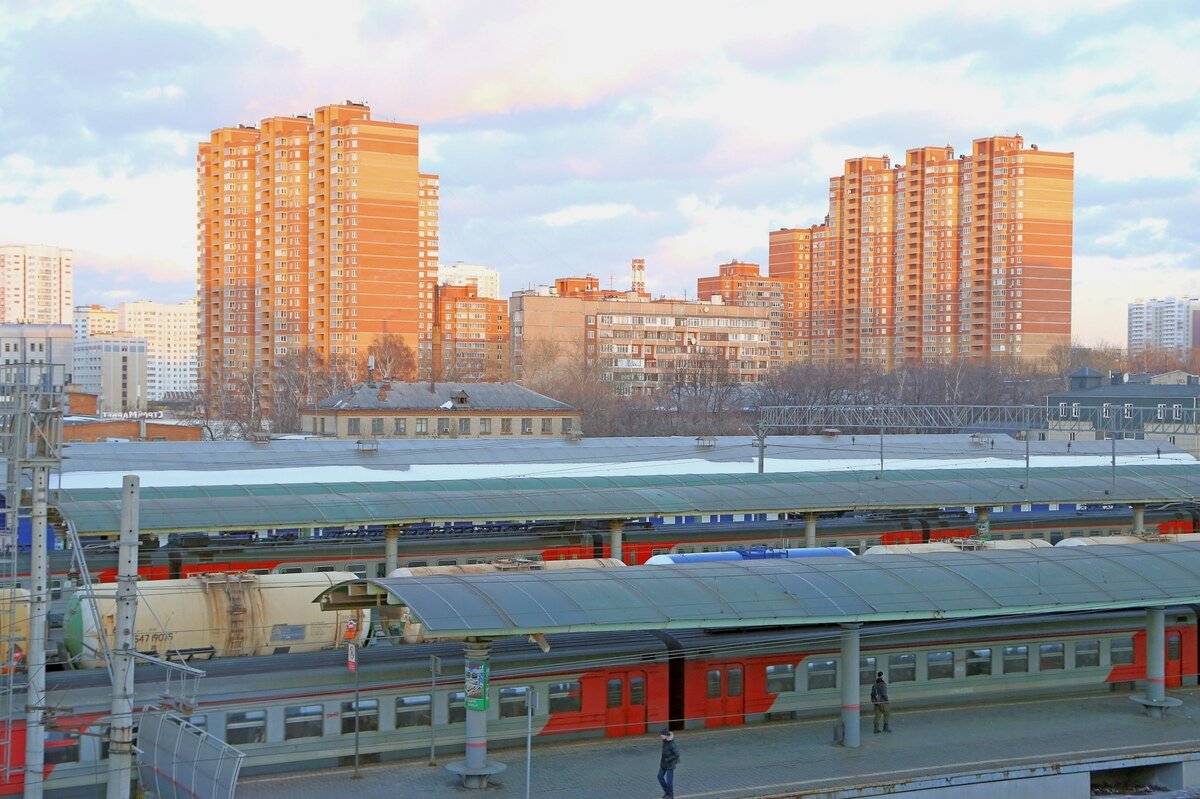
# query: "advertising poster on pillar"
[[476, 685]]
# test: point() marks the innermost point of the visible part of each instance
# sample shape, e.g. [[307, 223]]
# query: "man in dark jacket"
[[879, 698], [666, 765]]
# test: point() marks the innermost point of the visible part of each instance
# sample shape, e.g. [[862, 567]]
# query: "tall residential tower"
[[935, 258], [315, 234]]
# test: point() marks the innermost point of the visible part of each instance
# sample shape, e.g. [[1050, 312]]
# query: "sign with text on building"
[[476, 685]]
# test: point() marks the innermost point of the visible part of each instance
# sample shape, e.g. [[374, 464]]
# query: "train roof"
[[97, 511], [945, 585]]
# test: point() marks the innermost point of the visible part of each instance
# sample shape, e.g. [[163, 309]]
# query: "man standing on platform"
[[879, 698], [667, 764]]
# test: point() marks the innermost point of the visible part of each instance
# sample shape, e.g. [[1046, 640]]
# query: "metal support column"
[[983, 524], [616, 529], [39, 602], [810, 530], [476, 769], [848, 674], [1156, 702], [391, 549], [1139, 519], [120, 746]]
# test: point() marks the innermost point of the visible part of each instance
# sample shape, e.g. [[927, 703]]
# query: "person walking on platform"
[[879, 698], [667, 764]]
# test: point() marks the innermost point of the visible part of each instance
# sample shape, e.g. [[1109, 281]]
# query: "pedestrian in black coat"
[[667, 763], [879, 698]]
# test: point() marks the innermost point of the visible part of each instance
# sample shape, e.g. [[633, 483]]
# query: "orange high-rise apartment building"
[[317, 233], [470, 336], [935, 259], [738, 283]]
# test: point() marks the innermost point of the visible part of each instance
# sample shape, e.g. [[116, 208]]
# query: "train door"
[[1174, 659], [725, 704], [626, 711]]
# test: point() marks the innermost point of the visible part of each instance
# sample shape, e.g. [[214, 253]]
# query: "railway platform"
[[975, 750]]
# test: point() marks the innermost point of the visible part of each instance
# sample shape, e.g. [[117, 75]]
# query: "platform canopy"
[[95, 511], [949, 585]]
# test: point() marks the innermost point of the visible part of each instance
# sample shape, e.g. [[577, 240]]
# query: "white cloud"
[[595, 212], [758, 104]]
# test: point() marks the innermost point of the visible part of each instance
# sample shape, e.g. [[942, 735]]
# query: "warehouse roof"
[[789, 592], [313, 460], [240, 507]]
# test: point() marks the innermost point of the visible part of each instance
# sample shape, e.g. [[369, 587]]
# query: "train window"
[[303, 721], [457, 710], [637, 691], [475, 560], [358, 568], [821, 674], [1174, 644], [1050, 657], [979, 662], [260, 571], [248, 727], [413, 711], [56, 589], [616, 692], [781, 678], [566, 697], [416, 564], [733, 681], [866, 671], [381, 570], [940, 665], [902, 668], [61, 747], [658, 551], [290, 570], [714, 683], [1120, 651], [1016, 659], [323, 569], [365, 712], [685, 550], [450, 562], [513, 702], [1087, 654]]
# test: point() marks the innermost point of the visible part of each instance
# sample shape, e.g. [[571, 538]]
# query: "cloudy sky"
[[571, 137]]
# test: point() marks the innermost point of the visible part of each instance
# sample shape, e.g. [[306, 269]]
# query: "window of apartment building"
[[566, 426], [443, 426], [399, 427], [422, 427], [464, 427], [376, 426], [547, 426], [506, 426], [485, 427], [526, 426], [354, 426]]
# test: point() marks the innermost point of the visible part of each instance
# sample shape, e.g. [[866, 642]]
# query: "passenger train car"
[[300, 712], [362, 551]]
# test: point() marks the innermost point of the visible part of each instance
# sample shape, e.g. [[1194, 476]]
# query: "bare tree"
[[394, 359]]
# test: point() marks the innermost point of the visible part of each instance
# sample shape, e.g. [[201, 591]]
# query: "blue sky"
[[572, 137]]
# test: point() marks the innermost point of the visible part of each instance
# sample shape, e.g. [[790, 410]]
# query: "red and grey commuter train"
[[299, 711], [362, 551]]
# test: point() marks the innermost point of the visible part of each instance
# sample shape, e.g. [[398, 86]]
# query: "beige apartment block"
[[638, 345]]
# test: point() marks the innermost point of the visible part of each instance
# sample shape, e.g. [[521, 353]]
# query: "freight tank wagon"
[[214, 615]]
